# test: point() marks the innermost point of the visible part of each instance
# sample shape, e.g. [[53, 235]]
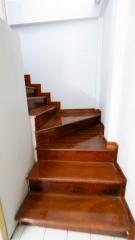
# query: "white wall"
[[29, 11], [60, 43], [126, 121], [2, 10], [16, 153], [106, 61], [117, 85], [62, 57]]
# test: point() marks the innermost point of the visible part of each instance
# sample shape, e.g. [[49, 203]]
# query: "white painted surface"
[[16, 153], [36, 233], [126, 126], [2, 10], [29, 11], [106, 72], [118, 86], [63, 58]]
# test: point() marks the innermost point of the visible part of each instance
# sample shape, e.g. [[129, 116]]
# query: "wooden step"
[[42, 114], [62, 125], [106, 155], [95, 214], [31, 91], [88, 145], [36, 101], [77, 177]]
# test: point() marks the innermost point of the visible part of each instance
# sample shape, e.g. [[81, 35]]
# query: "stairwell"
[[76, 183]]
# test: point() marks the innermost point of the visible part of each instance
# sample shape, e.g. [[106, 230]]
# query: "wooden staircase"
[[77, 183]]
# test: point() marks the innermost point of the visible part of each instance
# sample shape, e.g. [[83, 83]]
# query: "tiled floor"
[[39, 233]]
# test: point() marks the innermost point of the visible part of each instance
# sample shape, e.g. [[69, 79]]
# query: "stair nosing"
[[36, 97]]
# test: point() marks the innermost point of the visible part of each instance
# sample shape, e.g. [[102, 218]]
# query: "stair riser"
[[32, 92], [37, 103], [54, 133], [90, 156], [57, 104], [77, 188], [40, 120], [47, 94]]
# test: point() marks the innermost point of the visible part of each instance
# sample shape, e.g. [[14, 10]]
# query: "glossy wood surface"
[[77, 177], [66, 126], [61, 119], [77, 183], [97, 214], [76, 172]]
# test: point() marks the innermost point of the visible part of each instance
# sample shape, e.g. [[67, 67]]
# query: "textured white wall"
[[126, 121], [117, 86], [63, 58], [16, 152], [29, 11]]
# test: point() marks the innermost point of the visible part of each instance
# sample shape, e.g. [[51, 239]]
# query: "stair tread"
[[88, 139], [76, 212], [76, 172], [40, 110], [60, 119], [36, 97], [30, 87]]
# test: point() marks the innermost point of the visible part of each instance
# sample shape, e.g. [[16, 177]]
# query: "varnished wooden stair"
[[77, 183]]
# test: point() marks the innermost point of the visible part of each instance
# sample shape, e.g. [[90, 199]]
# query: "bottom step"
[[95, 214]]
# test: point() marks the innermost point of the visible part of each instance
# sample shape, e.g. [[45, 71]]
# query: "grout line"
[[44, 234], [67, 235], [22, 232]]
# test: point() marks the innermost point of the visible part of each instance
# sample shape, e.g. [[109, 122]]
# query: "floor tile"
[[78, 236], [100, 237], [33, 233], [18, 232], [55, 234], [38, 233]]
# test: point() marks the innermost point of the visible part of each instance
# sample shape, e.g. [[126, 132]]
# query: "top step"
[[27, 79]]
